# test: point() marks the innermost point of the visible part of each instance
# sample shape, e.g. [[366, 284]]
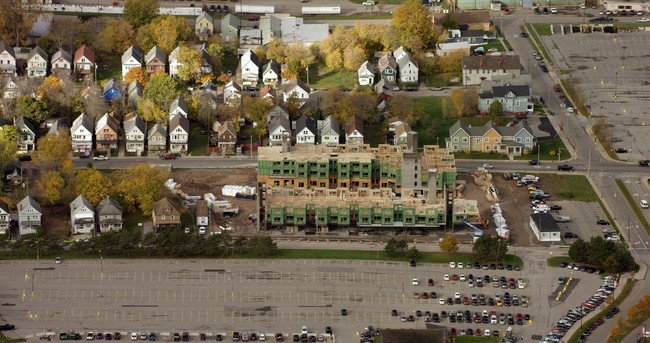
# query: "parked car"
[[100, 158], [24, 158], [533, 162], [602, 222], [565, 167]]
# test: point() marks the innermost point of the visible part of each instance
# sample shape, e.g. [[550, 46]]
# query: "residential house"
[[109, 215], [479, 68], [7, 60], [82, 216], [135, 131], [131, 58], [388, 68], [512, 140], [366, 74], [354, 131], [467, 20], [5, 217], [227, 137], [29, 215], [57, 126], [268, 92], [82, 134], [10, 89], [112, 90], [173, 62], [249, 65], [296, 88], [229, 28], [276, 111], [106, 132], [134, 93], [447, 49], [202, 213], [305, 130], [513, 99], [205, 64], [166, 215], [384, 89], [157, 138], [278, 127], [178, 106], [329, 131], [61, 64], [271, 73], [250, 38], [407, 66], [156, 60], [232, 93], [84, 61], [401, 134], [204, 26], [27, 135], [179, 130], [37, 63], [291, 29], [393, 123]]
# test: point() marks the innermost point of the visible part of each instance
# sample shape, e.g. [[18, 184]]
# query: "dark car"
[[618, 151], [219, 8], [344, 312], [565, 167], [84, 156], [108, 336], [644, 163], [279, 337], [544, 69], [24, 158], [411, 88], [170, 156], [7, 327], [556, 207], [533, 162], [412, 263], [602, 222], [328, 330], [185, 337], [523, 34], [218, 337], [225, 8]]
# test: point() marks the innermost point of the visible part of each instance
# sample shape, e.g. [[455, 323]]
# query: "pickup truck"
[[644, 163], [565, 167]]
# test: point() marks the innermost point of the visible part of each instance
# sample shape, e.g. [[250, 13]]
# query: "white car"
[[644, 203], [304, 330], [554, 10], [90, 336], [261, 337], [487, 166], [457, 295], [462, 278], [100, 158], [202, 230], [643, 20], [134, 336], [58, 260], [460, 265], [441, 301], [415, 282], [446, 277], [368, 3], [452, 265], [487, 332]]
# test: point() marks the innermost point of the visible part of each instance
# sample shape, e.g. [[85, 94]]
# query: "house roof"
[[231, 20], [162, 206], [271, 65], [279, 121], [291, 84], [354, 123], [472, 33], [330, 123], [112, 84], [84, 51], [465, 17], [227, 126], [399, 51], [204, 15], [507, 62], [156, 52], [233, 84], [135, 122], [366, 67], [402, 129], [79, 202], [383, 86], [387, 61], [4, 206], [132, 51], [62, 54], [479, 131], [8, 48], [109, 206], [267, 91], [178, 103], [394, 120], [107, 119], [136, 86], [28, 202], [545, 222], [37, 51], [402, 62], [82, 120], [157, 129], [305, 122], [21, 121], [179, 120], [250, 56], [501, 91], [57, 126]]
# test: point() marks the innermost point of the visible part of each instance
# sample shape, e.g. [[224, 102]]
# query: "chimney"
[[286, 142], [412, 141], [432, 186]]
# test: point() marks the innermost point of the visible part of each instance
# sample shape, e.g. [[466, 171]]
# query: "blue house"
[[112, 90]]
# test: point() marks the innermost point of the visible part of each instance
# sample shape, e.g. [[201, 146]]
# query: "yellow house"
[[204, 26], [491, 140]]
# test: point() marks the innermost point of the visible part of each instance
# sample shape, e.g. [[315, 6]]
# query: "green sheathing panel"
[[275, 215], [387, 216], [300, 215], [409, 216], [398, 212]]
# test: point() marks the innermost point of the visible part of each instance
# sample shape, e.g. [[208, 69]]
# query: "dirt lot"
[[515, 204], [199, 182]]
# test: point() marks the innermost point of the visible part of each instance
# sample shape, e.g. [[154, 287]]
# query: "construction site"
[[318, 189]]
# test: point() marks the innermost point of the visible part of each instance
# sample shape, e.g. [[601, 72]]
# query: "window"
[[497, 140], [162, 217], [465, 139], [487, 147], [518, 139], [527, 139], [455, 139], [517, 103], [486, 139]]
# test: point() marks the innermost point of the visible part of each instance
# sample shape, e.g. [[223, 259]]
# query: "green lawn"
[[638, 212], [229, 62], [556, 260], [543, 29], [438, 116], [198, 143], [480, 156], [109, 67], [441, 80], [475, 339], [131, 220], [320, 77], [532, 36], [494, 43], [5, 339], [546, 148], [569, 187]]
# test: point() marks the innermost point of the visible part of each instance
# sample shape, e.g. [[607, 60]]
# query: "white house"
[[82, 215], [271, 73], [61, 64], [135, 131], [305, 130], [173, 62], [10, 89], [7, 60], [109, 215], [408, 67], [179, 130], [296, 87], [329, 131], [366, 74], [5, 217], [278, 127], [202, 213], [545, 227], [476, 69], [231, 93], [178, 106], [37, 63], [249, 65], [354, 131], [131, 58], [27, 135], [29, 215], [82, 134]]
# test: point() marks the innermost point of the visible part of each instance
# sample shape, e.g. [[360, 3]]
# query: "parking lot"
[[221, 296], [583, 219]]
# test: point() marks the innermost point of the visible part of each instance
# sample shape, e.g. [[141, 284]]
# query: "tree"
[[31, 108], [166, 31], [68, 33], [297, 57], [261, 246], [163, 89], [140, 186], [190, 63], [405, 108], [293, 106], [8, 147], [449, 244], [93, 185], [396, 248], [16, 19], [51, 185], [449, 22], [136, 74], [465, 101], [490, 248], [496, 109], [216, 52], [275, 50], [93, 103], [140, 12], [53, 152], [57, 94], [413, 24], [353, 57], [413, 253], [116, 37], [150, 111]]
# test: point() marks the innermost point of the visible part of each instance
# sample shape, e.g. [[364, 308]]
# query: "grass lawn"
[[556, 260], [532, 36], [494, 43], [633, 204], [131, 220], [438, 116], [320, 77], [441, 80], [5, 339], [198, 143], [545, 148], [229, 62], [543, 29], [480, 156], [475, 339], [569, 187], [109, 67]]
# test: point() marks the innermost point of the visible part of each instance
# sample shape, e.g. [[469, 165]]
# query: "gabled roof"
[[278, 110], [26, 203], [330, 123], [279, 121], [4, 206], [56, 126], [174, 54], [366, 67], [472, 33], [387, 61], [109, 206], [37, 51], [204, 15], [519, 91], [399, 52], [79, 202], [250, 56], [132, 51], [507, 62], [354, 123], [157, 129], [510, 131], [179, 120], [402, 129], [305, 122], [271, 65], [480, 131], [231, 20], [161, 206], [227, 126], [156, 52], [63, 55], [136, 86], [8, 48], [402, 62], [290, 85], [135, 122], [178, 103], [84, 51], [107, 119], [82, 120], [112, 84], [21, 121], [232, 84]]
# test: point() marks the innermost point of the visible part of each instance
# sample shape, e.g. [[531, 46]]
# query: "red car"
[[168, 157], [454, 277], [452, 332], [557, 89], [431, 283], [424, 295], [478, 332]]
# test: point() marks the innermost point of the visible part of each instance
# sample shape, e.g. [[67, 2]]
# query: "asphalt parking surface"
[[583, 219]]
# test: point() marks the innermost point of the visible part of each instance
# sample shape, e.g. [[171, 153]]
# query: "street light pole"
[[616, 87]]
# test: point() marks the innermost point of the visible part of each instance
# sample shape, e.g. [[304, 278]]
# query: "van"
[[644, 203], [562, 219]]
